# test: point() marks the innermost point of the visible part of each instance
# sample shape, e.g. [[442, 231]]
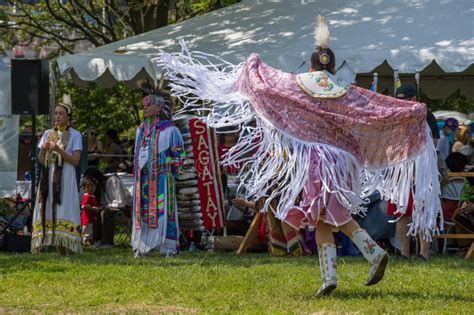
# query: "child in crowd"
[[88, 207]]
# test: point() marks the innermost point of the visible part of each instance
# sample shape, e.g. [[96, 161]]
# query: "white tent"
[[463, 119], [408, 35]]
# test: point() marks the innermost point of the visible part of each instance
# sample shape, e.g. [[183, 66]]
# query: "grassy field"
[[111, 281]]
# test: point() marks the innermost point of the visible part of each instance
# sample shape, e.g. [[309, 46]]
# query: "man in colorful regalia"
[[159, 156]]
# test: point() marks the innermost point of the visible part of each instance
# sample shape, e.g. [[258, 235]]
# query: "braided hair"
[[153, 96], [327, 55]]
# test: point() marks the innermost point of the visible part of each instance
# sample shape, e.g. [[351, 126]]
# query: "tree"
[[69, 23], [99, 22], [105, 108], [456, 102]]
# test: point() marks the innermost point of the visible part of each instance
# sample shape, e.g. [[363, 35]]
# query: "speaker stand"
[[34, 158]]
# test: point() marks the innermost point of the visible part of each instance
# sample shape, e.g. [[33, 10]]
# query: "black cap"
[[406, 91]]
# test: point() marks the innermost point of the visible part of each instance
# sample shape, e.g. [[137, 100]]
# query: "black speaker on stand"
[[30, 96], [30, 86]]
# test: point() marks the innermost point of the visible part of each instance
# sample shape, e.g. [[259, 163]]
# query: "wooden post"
[[251, 235], [470, 252]]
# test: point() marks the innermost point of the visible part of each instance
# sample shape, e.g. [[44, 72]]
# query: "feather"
[[146, 87], [321, 34]]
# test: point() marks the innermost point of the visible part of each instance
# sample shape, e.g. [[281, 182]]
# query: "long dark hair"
[[113, 134]]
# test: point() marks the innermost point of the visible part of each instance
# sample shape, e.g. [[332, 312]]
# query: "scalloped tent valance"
[[364, 34], [434, 81]]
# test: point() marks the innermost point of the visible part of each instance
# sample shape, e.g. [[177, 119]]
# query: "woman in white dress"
[[56, 218]]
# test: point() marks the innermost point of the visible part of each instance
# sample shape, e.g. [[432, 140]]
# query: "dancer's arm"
[[72, 159]]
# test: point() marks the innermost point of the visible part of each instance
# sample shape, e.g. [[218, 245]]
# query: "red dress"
[[392, 208], [87, 216]]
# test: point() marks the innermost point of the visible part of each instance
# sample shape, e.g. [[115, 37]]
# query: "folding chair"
[[450, 196], [123, 227]]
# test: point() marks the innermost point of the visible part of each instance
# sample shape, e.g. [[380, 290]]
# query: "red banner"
[[206, 162]]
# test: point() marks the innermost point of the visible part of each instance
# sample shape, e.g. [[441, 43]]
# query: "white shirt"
[[443, 145]]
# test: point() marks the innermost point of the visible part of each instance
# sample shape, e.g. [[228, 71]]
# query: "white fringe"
[[73, 244], [205, 83]]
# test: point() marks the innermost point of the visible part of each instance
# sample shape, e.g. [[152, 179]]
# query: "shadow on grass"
[[52, 262], [400, 294], [119, 256]]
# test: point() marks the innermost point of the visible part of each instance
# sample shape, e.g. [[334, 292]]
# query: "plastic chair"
[[450, 196]]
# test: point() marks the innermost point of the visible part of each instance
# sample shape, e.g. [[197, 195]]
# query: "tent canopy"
[[462, 118], [407, 34]]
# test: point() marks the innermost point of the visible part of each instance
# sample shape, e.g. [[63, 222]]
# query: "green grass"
[[111, 281]]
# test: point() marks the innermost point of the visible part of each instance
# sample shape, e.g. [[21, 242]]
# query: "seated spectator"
[[451, 192], [94, 147], [113, 148], [468, 151], [122, 168], [128, 146], [456, 162], [443, 147], [463, 135]]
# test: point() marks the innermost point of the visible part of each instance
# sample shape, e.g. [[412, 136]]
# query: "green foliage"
[[66, 24], [7, 208], [456, 102], [112, 281], [204, 6], [105, 108], [184, 9], [63, 25]]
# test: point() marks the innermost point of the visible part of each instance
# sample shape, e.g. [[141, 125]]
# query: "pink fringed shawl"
[[377, 130], [351, 145]]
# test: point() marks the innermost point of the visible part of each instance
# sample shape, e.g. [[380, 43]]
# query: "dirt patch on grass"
[[148, 309], [107, 309]]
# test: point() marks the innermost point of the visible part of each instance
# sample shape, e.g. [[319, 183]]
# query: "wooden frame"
[[470, 252]]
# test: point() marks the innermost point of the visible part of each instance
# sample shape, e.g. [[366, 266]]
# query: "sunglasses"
[[93, 133]]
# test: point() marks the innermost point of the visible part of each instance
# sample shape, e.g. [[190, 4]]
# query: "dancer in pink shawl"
[[339, 143], [329, 214]]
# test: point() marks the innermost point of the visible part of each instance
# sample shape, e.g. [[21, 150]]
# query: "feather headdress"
[[154, 96], [321, 34]]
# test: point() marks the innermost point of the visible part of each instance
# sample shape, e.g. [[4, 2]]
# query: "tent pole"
[[376, 80], [395, 81], [417, 82], [52, 92]]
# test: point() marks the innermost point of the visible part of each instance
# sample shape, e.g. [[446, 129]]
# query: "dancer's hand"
[[55, 147], [239, 202], [466, 208], [46, 146], [243, 204]]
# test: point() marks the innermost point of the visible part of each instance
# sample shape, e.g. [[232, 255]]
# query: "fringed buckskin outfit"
[[57, 215]]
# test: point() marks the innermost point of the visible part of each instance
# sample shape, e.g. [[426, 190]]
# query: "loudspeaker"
[[30, 86]]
